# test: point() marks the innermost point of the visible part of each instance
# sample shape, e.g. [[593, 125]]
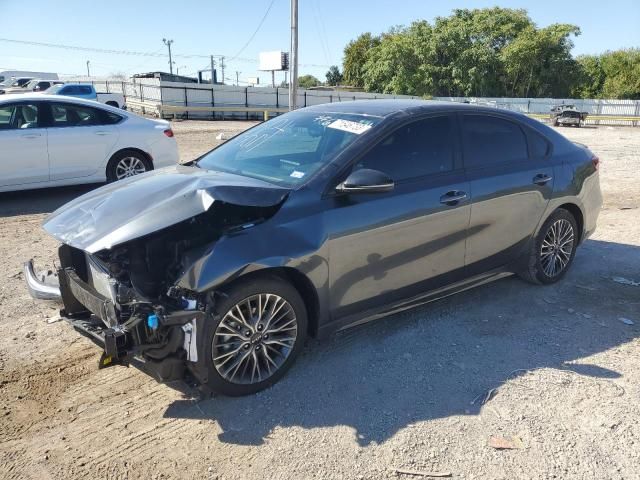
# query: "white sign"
[[349, 126], [272, 61]]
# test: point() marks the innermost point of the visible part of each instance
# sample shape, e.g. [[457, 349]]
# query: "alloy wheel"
[[254, 339], [128, 167], [557, 248]]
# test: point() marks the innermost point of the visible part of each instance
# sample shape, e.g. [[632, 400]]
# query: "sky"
[[230, 28]]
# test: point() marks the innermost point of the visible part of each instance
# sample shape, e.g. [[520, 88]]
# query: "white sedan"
[[50, 141]]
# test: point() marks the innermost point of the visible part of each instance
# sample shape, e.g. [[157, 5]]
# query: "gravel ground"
[[557, 367]]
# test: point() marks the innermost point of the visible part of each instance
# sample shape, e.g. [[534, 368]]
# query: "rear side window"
[[538, 145], [111, 118], [68, 115], [82, 90], [22, 115], [421, 148], [490, 140]]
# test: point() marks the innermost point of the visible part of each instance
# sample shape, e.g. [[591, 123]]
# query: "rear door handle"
[[102, 134], [542, 179], [453, 197], [31, 135]]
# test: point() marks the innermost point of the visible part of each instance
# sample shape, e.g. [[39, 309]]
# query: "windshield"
[[54, 88], [31, 85], [288, 149]]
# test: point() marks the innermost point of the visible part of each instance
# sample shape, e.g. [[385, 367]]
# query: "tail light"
[[168, 132], [596, 162]]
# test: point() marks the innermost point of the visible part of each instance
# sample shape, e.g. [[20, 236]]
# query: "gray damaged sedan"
[[312, 222]]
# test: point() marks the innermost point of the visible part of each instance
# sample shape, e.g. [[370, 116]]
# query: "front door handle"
[[31, 135], [102, 134], [453, 197], [542, 179]]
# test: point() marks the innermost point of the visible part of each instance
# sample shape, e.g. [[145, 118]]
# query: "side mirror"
[[366, 181]]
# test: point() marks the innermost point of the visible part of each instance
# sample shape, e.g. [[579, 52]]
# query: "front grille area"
[[98, 277]]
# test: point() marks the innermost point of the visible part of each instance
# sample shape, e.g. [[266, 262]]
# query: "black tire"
[[536, 271], [112, 166], [112, 104], [232, 296]]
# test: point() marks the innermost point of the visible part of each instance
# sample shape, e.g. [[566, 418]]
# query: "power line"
[[321, 31], [110, 51], [264, 17], [155, 54]]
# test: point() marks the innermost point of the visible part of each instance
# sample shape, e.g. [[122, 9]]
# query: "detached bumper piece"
[[42, 287]]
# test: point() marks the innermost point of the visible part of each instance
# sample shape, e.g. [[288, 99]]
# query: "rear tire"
[[127, 163], [553, 250], [272, 341]]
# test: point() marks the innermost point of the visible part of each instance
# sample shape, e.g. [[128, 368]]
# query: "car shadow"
[[437, 360], [44, 200]]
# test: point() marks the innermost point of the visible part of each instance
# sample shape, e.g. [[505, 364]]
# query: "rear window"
[[490, 140]]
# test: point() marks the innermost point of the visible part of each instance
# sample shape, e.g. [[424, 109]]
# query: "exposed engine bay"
[[124, 297]]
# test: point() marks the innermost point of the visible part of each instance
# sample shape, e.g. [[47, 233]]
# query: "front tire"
[[553, 250], [253, 333]]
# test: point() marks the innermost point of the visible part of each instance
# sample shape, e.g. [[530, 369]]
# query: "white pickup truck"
[[88, 92]]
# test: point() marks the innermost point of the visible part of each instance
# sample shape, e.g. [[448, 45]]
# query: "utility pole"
[[88, 73], [213, 69], [293, 60], [222, 68], [238, 77], [168, 44]]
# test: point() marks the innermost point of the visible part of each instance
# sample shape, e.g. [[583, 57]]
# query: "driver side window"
[[415, 150]]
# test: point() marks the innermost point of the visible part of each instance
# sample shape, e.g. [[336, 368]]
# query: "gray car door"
[[390, 246], [509, 189]]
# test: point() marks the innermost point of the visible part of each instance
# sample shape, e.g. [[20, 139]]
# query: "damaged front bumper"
[[42, 287], [158, 341]]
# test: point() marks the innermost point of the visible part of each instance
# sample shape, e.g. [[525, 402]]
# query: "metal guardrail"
[[161, 110], [185, 109]]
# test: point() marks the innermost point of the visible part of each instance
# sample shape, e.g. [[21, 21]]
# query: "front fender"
[[297, 246]]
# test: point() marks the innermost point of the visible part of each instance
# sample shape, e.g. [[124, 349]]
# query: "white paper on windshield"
[[349, 126], [297, 174]]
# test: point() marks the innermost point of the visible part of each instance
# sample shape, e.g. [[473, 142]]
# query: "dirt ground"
[[558, 368]]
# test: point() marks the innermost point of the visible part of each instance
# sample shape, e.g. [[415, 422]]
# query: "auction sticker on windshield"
[[349, 126]]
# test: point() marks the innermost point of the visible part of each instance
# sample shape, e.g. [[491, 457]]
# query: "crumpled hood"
[[137, 206]]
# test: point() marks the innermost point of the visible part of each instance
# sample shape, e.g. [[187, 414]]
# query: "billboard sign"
[[274, 61]]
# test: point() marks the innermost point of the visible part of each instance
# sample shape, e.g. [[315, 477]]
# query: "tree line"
[[490, 52]]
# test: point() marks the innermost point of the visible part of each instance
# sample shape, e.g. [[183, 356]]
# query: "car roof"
[[387, 107], [12, 97], [45, 96]]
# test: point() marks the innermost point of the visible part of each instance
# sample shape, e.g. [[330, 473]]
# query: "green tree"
[[396, 64], [622, 74], [481, 52], [591, 77], [355, 56], [308, 81], [334, 77], [538, 63]]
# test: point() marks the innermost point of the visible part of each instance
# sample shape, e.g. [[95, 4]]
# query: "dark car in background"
[[566, 115], [312, 222]]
